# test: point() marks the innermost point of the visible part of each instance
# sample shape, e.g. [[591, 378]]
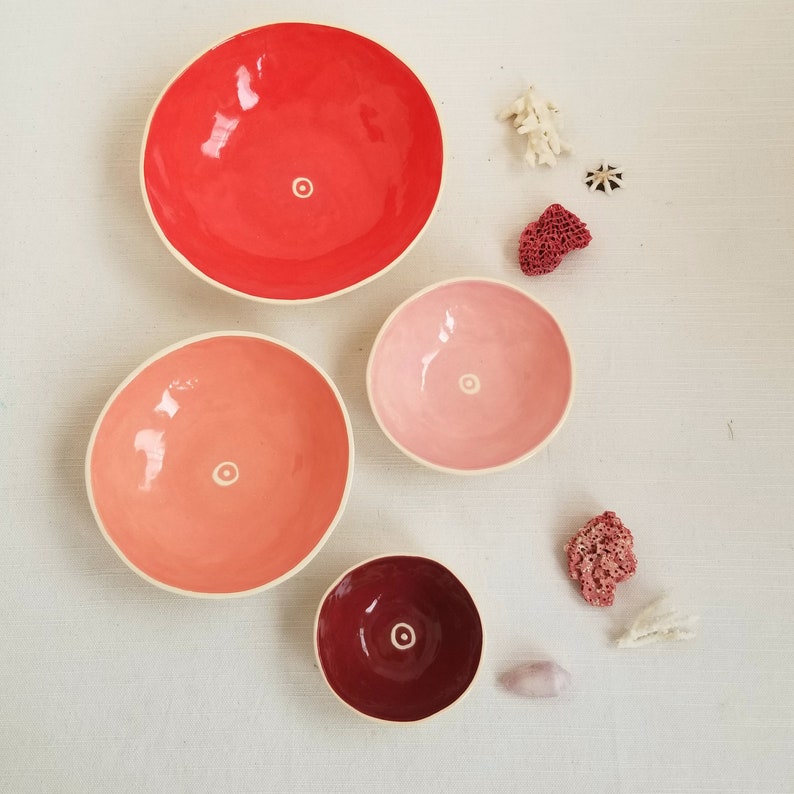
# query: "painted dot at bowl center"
[[226, 473], [403, 636], [302, 187], [469, 383]]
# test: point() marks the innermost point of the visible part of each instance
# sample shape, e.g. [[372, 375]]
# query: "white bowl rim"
[[451, 469], [335, 584], [287, 301], [156, 357]]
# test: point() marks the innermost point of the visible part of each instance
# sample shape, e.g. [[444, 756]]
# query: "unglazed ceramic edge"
[[134, 374], [449, 469], [286, 301], [316, 624]]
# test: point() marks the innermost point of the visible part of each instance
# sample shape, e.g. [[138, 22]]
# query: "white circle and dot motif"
[[469, 383], [226, 473], [302, 187], [403, 636]]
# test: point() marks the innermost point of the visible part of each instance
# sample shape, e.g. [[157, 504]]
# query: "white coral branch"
[[658, 623], [541, 121]]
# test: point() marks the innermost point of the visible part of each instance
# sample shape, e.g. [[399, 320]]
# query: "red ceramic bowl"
[[220, 466], [398, 638], [470, 375], [292, 162]]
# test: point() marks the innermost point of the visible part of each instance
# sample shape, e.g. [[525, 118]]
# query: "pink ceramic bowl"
[[398, 638], [470, 375], [221, 465], [292, 162]]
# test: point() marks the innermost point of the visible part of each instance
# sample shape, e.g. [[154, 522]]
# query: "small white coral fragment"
[[538, 679], [540, 120], [658, 622]]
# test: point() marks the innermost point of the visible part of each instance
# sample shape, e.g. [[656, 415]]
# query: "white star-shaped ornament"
[[606, 178]]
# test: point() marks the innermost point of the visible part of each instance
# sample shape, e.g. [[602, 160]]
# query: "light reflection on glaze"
[[246, 95], [219, 137], [369, 610], [152, 443], [445, 332], [447, 328], [427, 360], [168, 405], [363, 641]]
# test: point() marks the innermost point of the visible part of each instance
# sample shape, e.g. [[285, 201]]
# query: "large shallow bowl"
[[292, 162], [398, 638], [470, 376], [221, 465]]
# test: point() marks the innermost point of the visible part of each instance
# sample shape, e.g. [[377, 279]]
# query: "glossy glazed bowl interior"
[[470, 375], [220, 466], [292, 162], [398, 638]]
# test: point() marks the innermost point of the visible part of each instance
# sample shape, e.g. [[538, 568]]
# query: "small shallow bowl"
[[292, 162], [398, 638], [221, 465], [470, 375]]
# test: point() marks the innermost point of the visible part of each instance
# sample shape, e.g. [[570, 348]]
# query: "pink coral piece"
[[600, 555], [544, 242]]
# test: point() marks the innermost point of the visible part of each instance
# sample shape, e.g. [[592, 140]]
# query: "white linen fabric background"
[[681, 319]]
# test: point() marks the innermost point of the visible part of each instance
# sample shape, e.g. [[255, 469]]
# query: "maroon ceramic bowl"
[[398, 638]]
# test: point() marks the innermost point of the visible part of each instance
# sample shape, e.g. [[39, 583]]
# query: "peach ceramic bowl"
[[221, 465], [398, 638], [470, 375], [292, 162]]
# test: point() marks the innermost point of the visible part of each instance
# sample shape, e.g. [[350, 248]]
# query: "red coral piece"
[[600, 555], [547, 240]]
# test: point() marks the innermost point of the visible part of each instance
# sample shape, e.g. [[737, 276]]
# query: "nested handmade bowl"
[[470, 375], [398, 638], [292, 162], [221, 465]]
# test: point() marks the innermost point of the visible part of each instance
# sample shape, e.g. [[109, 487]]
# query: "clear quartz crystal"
[[538, 679]]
